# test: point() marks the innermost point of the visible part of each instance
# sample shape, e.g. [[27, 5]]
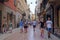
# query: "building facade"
[[51, 8], [12, 11], [8, 12], [24, 8], [38, 11], [56, 9]]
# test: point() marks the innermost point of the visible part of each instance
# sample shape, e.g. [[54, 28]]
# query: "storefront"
[[59, 17], [7, 14], [1, 12], [11, 17], [58, 21], [0, 19]]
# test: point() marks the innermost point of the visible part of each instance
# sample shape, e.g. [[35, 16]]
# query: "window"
[[14, 2], [25, 1]]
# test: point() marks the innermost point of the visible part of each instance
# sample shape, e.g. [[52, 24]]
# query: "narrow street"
[[14, 14], [31, 35]]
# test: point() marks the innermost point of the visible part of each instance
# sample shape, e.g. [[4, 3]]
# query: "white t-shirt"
[[49, 24], [34, 22]]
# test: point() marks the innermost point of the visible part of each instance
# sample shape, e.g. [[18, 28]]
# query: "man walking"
[[49, 26], [34, 25]]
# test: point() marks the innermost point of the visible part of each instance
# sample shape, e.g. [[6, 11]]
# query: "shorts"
[[25, 26], [49, 29], [34, 26], [21, 27]]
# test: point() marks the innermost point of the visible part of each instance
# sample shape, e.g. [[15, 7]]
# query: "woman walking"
[[21, 26], [25, 26], [42, 28]]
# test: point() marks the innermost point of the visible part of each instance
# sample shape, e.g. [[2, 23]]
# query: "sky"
[[32, 6]]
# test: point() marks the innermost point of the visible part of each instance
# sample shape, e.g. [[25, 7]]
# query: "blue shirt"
[[21, 23]]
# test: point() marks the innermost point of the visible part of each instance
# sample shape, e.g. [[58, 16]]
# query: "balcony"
[[51, 1], [2, 1]]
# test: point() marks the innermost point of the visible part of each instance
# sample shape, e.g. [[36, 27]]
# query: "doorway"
[[0, 19]]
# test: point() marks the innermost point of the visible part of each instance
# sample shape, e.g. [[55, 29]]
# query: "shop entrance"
[[9, 19]]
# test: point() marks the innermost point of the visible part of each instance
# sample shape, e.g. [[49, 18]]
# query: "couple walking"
[[48, 25], [24, 25]]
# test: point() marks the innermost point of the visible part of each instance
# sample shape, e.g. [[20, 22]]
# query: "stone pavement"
[[31, 35]]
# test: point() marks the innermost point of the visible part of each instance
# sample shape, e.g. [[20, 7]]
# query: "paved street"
[[31, 35], [19, 13]]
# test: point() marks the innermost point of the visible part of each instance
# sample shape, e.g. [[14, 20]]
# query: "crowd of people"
[[48, 25], [25, 24]]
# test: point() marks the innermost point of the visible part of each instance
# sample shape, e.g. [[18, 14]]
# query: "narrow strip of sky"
[[32, 6]]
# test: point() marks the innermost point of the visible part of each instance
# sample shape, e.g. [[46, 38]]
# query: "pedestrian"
[[42, 28], [25, 26], [49, 26], [34, 25], [4, 28], [21, 26]]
